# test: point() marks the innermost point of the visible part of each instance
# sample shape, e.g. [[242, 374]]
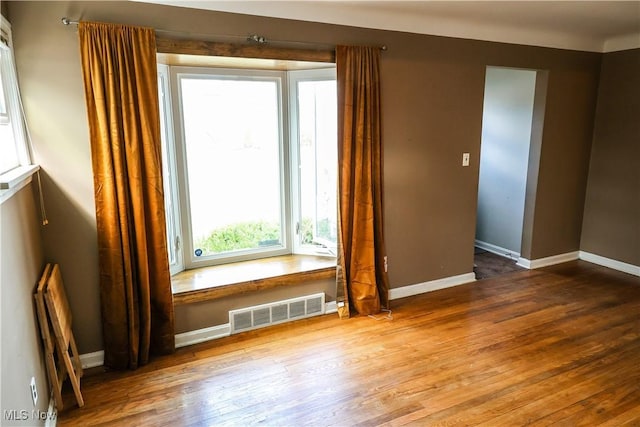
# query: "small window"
[[314, 138], [170, 183], [8, 151], [13, 147], [4, 112]]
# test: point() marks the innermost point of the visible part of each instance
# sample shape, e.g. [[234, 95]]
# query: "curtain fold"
[[121, 91], [362, 283]]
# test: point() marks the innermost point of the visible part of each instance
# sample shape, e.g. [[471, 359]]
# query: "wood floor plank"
[[521, 404], [558, 345]]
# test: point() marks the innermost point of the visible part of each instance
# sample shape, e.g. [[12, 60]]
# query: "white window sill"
[[11, 182]]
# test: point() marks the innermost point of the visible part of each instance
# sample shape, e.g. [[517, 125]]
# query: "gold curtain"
[[120, 80], [362, 282]]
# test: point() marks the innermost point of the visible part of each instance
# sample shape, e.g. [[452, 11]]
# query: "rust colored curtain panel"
[[362, 282], [121, 90]]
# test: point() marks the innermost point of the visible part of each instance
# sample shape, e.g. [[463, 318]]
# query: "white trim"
[[498, 250], [91, 360], [52, 414], [277, 77], [170, 180], [16, 176], [15, 112], [94, 359], [330, 307], [6, 194], [547, 261], [13, 181], [523, 262], [202, 335], [610, 263], [626, 42], [432, 285]]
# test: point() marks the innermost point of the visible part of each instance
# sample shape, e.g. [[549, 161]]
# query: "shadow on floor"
[[487, 264]]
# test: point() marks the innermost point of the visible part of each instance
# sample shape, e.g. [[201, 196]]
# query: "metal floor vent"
[[273, 313]]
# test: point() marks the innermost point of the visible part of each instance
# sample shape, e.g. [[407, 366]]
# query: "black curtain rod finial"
[[67, 21]]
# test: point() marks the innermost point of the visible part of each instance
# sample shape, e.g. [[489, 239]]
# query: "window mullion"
[[286, 163]]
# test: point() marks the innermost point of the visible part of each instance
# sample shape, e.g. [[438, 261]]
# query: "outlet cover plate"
[[34, 391]]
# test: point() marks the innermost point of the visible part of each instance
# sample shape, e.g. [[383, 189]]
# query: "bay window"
[[250, 162]]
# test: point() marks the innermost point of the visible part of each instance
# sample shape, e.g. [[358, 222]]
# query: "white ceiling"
[[598, 26]]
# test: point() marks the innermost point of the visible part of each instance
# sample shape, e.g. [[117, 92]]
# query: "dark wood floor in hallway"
[[559, 345]]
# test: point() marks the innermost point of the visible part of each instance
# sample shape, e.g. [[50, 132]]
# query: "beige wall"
[[204, 314], [432, 94], [20, 268], [612, 209]]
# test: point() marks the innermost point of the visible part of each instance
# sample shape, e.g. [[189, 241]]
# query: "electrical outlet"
[[34, 391], [465, 159]]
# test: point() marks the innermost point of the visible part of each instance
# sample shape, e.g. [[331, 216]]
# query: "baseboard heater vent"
[[249, 318]]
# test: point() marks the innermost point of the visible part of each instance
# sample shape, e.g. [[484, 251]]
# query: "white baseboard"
[[498, 250], [52, 414], [330, 307], [432, 285], [221, 331], [545, 262], [202, 335], [523, 262], [91, 360], [94, 359], [610, 263]]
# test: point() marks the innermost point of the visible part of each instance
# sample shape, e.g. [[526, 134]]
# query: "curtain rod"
[[252, 38]]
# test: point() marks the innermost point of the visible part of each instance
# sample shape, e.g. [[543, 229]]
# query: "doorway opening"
[[513, 115]]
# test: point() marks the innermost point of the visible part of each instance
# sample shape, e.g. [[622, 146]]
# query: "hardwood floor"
[[559, 345], [487, 265]]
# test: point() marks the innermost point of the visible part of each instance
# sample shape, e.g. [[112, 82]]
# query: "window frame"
[[295, 77], [190, 261], [19, 173], [174, 134], [169, 172]]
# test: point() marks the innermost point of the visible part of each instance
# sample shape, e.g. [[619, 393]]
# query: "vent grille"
[[249, 318]]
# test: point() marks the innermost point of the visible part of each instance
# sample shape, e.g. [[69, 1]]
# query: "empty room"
[[320, 213]]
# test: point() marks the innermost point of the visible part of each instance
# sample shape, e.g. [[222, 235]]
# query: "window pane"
[[232, 139], [8, 153], [3, 99], [8, 149], [317, 115], [166, 173]]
